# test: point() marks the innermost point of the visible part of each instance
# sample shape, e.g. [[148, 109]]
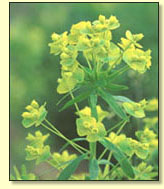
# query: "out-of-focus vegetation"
[[34, 72]]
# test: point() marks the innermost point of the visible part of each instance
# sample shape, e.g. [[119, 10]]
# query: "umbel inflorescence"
[[94, 41]]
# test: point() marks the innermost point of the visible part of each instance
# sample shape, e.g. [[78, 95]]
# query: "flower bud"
[[102, 19], [138, 37], [26, 115], [29, 108], [64, 56], [59, 80], [34, 104], [100, 27], [55, 37]]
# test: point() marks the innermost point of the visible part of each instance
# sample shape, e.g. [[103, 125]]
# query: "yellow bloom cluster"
[[94, 41], [135, 109], [88, 126], [59, 160], [129, 146], [36, 150], [148, 136], [152, 105], [87, 112], [35, 115]]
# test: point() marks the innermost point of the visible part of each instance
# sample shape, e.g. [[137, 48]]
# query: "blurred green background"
[[34, 72]]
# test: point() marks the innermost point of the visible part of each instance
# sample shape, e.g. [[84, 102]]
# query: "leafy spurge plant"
[[103, 62]]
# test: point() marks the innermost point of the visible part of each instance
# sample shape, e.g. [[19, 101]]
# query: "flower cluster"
[[35, 115], [60, 161], [135, 109], [94, 41], [129, 146], [36, 150], [89, 126]]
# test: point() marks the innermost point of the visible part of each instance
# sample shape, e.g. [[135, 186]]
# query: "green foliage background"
[[34, 72]]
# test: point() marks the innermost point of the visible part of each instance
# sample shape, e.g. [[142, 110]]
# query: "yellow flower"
[[152, 105]]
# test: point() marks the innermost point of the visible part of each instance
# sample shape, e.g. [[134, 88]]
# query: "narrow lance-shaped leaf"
[[122, 99], [104, 162], [66, 95], [113, 104], [116, 87], [117, 73], [93, 103], [79, 98], [120, 157], [68, 143], [93, 169], [70, 169]]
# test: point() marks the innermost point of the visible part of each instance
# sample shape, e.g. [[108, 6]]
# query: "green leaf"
[[28, 123], [23, 170], [122, 99], [79, 98], [65, 96], [66, 85], [126, 147], [117, 73], [134, 109], [79, 75], [70, 169], [31, 176], [113, 104], [93, 102], [87, 71], [116, 87], [93, 169], [87, 177], [42, 115], [141, 152], [120, 157], [104, 162], [73, 140], [12, 177], [18, 176]]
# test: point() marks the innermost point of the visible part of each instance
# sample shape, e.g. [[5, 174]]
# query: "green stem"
[[53, 169], [102, 154], [92, 147], [115, 126], [111, 170], [53, 127], [69, 141], [114, 168], [93, 102], [76, 106], [120, 56], [90, 67], [65, 96], [106, 169], [76, 146], [81, 66], [122, 126]]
